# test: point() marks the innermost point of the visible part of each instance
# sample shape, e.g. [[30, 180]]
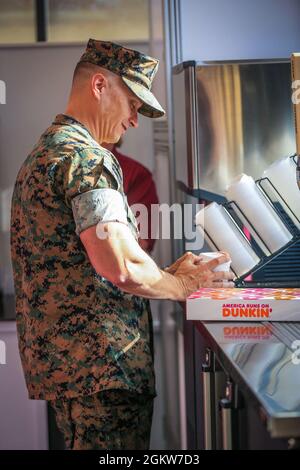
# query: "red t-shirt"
[[139, 186]]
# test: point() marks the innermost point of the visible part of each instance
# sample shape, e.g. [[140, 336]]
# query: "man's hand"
[[193, 274], [188, 254]]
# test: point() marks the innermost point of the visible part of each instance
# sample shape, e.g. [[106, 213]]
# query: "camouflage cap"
[[137, 70]]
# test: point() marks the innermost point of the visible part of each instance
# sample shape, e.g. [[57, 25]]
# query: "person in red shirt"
[[139, 187]]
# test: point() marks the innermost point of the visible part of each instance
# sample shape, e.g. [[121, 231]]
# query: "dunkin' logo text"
[[251, 332], [246, 310]]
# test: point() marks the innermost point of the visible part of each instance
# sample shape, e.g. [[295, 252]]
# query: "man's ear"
[[99, 84]]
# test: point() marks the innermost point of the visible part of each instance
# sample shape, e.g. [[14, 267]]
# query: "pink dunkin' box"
[[244, 305]]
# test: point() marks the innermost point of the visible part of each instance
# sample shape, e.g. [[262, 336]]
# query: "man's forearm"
[[146, 279], [119, 258]]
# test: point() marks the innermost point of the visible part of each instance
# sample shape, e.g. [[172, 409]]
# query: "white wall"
[[23, 422], [239, 29]]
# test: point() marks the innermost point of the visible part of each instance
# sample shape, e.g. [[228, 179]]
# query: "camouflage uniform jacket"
[[78, 333]]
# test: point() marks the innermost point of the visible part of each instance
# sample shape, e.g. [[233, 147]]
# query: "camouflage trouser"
[[111, 419]]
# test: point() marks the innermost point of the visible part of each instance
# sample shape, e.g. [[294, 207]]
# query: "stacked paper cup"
[[212, 255], [259, 212], [282, 175], [214, 221]]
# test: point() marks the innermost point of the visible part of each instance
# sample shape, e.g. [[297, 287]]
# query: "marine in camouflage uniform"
[[85, 345]]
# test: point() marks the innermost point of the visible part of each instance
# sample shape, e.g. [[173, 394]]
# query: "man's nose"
[[134, 120]]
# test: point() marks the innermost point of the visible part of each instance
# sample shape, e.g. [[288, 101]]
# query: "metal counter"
[[263, 361]]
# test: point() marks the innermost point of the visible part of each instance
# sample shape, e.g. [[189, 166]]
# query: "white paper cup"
[[282, 174], [215, 254], [221, 232], [259, 212]]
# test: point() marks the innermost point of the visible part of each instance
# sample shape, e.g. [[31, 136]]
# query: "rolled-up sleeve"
[[98, 205]]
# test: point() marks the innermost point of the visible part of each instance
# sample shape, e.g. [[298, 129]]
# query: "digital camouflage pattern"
[[111, 420], [78, 333], [136, 69]]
